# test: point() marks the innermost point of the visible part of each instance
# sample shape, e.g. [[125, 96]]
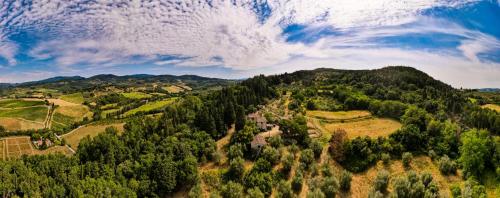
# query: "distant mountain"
[[489, 90], [54, 80]]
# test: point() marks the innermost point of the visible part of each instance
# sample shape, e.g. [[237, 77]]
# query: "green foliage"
[[232, 190], [381, 181], [287, 162], [236, 169], [406, 159], [275, 141], [254, 193], [316, 148], [345, 180], [271, 154], [295, 130], [474, 152], [330, 186], [316, 193], [413, 186], [284, 190], [416, 116], [307, 157], [297, 182], [447, 166], [385, 158], [455, 190]]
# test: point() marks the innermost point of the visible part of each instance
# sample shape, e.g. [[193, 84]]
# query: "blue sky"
[[456, 41]]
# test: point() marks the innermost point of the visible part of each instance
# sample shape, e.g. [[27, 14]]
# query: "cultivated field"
[[492, 106], [136, 95], [67, 113], [338, 115], [20, 103], [15, 147], [73, 138], [36, 113], [151, 106], [373, 127], [76, 98], [13, 124]]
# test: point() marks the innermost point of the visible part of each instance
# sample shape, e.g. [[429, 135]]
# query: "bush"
[[275, 141], [307, 157], [432, 154], [407, 156], [330, 186], [326, 170], [297, 182], [316, 193], [456, 192], [345, 180], [287, 162], [316, 148], [236, 169], [447, 166], [381, 181], [337, 142], [385, 158], [375, 194], [284, 190], [232, 190], [195, 192], [254, 193], [271, 154]]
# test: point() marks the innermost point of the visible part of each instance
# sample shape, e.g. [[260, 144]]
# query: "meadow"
[[492, 106], [37, 113], [136, 95], [151, 106], [13, 124], [73, 138], [373, 127], [20, 103], [76, 98], [173, 89]]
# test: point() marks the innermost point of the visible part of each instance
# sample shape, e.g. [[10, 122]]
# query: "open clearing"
[[338, 115], [173, 89], [151, 106], [136, 95], [20, 103], [15, 147], [363, 182], [492, 106], [13, 124], [76, 98], [73, 138], [373, 127]]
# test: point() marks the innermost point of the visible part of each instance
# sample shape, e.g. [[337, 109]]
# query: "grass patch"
[[374, 127], [76, 98], [73, 138], [37, 113], [20, 103], [76, 111], [173, 89], [104, 113], [150, 106], [136, 95], [338, 115], [109, 106], [492, 106]]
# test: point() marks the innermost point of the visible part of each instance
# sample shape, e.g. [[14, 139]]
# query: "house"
[[260, 120], [258, 142]]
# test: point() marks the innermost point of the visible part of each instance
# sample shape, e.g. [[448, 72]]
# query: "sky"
[[455, 41]]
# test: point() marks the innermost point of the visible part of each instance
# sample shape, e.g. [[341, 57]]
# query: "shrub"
[[316, 193], [284, 190], [330, 186], [345, 180], [232, 190], [316, 148], [195, 192], [337, 142], [375, 194], [401, 187], [447, 166], [254, 193], [271, 154], [287, 162], [275, 141], [236, 169], [381, 181], [307, 157], [297, 182], [407, 156], [456, 192], [385, 158], [432, 154], [326, 170]]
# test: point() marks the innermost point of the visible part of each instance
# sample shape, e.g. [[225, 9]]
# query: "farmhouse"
[[260, 120], [258, 142]]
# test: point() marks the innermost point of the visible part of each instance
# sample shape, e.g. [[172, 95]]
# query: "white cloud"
[[230, 34]]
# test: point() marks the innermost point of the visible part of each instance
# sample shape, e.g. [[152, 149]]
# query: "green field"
[[30, 113], [76, 98], [20, 103], [136, 95], [150, 106], [104, 113]]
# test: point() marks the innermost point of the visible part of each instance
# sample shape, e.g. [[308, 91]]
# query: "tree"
[[271, 154], [307, 157], [406, 158], [244, 136], [284, 190], [254, 193], [165, 175], [316, 193], [232, 190], [330, 186], [345, 180], [447, 166], [474, 152], [337, 142], [287, 163], [316, 148], [297, 182], [381, 181], [236, 169], [2, 129], [240, 118]]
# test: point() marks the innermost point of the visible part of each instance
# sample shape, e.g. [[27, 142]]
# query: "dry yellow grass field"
[[75, 111], [373, 127], [338, 115], [13, 124], [54, 150], [173, 89], [73, 138], [492, 106], [363, 182], [15, 147]]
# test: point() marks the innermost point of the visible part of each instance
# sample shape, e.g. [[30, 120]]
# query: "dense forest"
[[159, 156]]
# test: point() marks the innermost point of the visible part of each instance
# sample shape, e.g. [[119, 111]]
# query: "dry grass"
[[75, 111], [492, 106], [374, 127], [73, 138], [338, 115], [173, 89], [15, 147], [54, 150], [363, 182], [13, 124], [61, 103]]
